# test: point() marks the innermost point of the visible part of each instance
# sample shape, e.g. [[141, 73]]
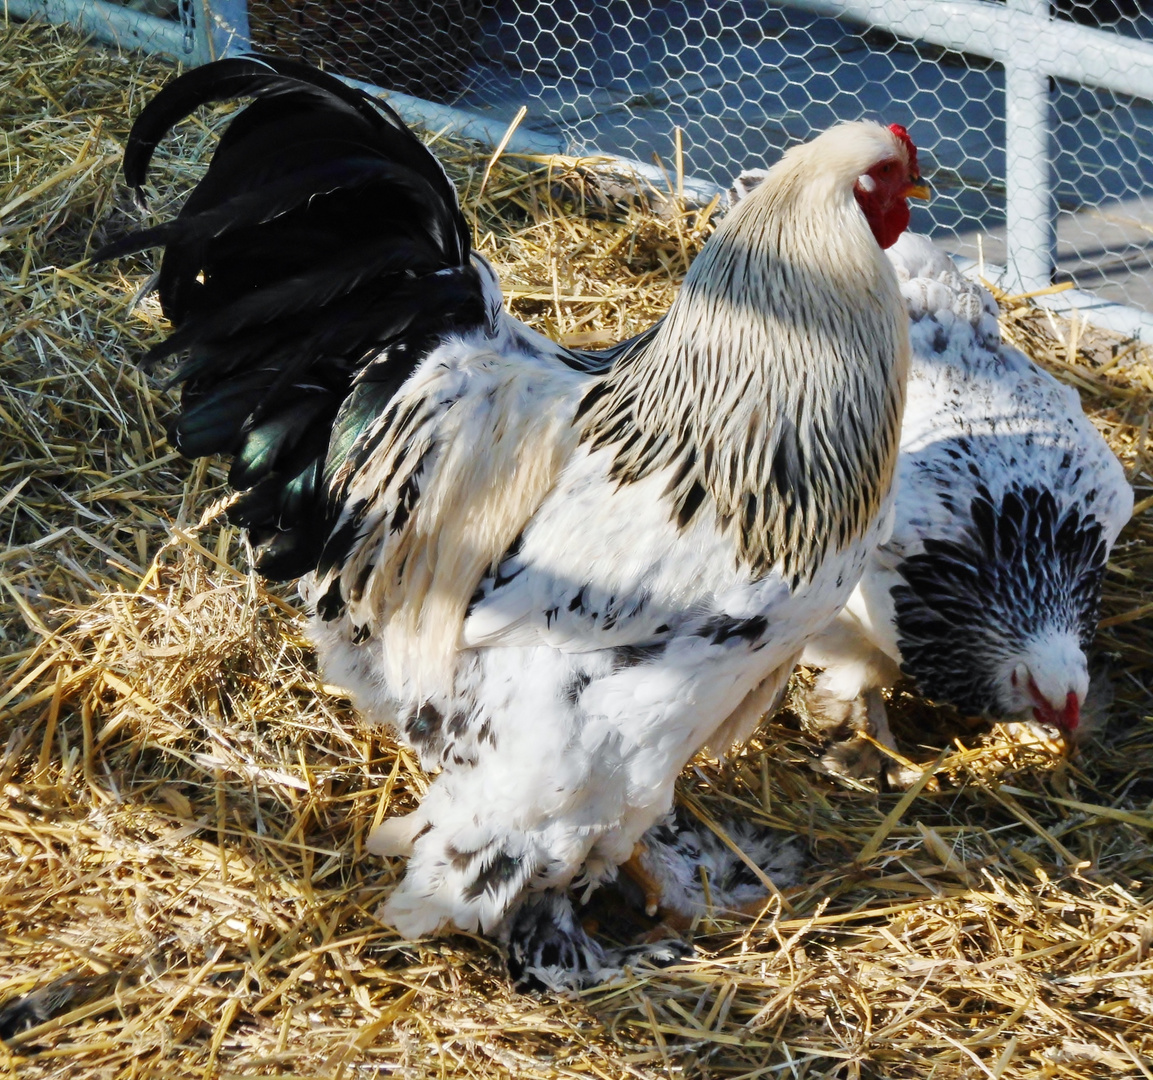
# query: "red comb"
[[903, 135]]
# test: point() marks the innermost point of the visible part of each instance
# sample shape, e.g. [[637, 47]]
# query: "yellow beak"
[[918, 189]]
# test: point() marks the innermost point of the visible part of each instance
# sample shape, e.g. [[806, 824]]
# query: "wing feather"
[[435, 491]]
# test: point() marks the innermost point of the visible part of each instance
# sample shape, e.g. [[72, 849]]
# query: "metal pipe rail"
[[206, 29], [112, 24], [1015, 34]]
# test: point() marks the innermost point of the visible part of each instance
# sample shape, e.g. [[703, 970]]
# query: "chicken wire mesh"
[[1052, 130], [744, 79]]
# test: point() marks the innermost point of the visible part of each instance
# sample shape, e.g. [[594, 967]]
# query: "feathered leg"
[[696, 873], [845, 703], [553, 942], [550, 949]]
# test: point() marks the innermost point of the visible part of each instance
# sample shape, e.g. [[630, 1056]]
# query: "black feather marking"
[[405, 501], [690, 504], [363, 576], [425, 730], [629, 656], [722, 628], [342, 540], [749, 513], [501, 871], [504, 574], [786, 473], [460, 860], [331, 605], [591, 398], [458, 724]]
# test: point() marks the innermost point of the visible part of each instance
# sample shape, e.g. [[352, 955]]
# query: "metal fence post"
[[1029, 212], [120, 26]]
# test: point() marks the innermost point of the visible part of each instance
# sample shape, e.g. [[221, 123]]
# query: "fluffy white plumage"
[[556, 577], [597, 659], [1008, 501], [614, 640]]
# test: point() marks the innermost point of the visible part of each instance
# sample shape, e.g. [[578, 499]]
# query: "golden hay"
[[183, 804]]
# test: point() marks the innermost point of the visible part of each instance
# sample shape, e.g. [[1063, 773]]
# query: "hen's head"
[[1048, 680], [883, 190], [997, 623]]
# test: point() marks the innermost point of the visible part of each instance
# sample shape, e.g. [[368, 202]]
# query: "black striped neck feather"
[[773, 389]]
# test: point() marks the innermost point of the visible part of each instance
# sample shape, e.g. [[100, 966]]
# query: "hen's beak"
[[917, 189], [1066, 718]]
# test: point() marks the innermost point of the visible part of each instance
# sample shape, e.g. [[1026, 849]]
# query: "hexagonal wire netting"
[[743, 79], [1035, 111]]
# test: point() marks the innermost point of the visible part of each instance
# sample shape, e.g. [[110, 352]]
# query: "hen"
[[1008, 502], [556, 577]]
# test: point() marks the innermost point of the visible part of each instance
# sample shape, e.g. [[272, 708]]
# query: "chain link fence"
[[1035, 120]]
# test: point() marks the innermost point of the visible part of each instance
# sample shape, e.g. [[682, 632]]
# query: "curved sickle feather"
[[254, 75]]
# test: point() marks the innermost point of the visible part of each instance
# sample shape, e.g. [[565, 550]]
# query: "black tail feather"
[[266, 77], [323, 237], [263, 311]]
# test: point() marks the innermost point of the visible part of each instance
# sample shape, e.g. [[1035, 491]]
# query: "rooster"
[[555, 576], [1008, 501]]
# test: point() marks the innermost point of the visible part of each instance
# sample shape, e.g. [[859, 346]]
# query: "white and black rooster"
[[1008, 501], [557, 577]]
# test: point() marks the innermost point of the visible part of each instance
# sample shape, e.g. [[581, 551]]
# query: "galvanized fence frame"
[[205, 30]]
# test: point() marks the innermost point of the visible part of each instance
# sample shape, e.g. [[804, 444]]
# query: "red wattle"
[[889, 227], [1066, 718], [886, 222], [1070, 716]]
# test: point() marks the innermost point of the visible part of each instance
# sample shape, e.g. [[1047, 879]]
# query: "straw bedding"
[[183, 804]]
